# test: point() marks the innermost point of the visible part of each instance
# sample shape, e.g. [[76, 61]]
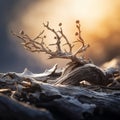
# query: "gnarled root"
[[88, 72]]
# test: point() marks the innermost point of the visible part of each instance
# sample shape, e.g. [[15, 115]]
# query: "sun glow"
[[91, 14]]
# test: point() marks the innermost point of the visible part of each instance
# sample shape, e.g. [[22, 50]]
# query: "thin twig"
[[33, 45]]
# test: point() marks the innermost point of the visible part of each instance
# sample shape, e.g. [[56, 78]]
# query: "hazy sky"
[[11, 59], [100, 25]]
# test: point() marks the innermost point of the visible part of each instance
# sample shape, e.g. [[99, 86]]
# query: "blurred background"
[[100, 26]]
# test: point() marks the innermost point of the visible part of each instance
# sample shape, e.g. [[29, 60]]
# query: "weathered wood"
[[62, 100], [69, 103], [88, 72], [13, 110]]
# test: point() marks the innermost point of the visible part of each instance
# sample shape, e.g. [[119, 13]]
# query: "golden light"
[[91, 13]]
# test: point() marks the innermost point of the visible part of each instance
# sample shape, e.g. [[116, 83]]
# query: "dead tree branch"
[[80, 39], [33, 45]]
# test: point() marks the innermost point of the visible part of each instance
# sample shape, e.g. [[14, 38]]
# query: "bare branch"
[[39, 35], [67, 41], [40, 46], [32, 45], [58, 42], [84, 46]]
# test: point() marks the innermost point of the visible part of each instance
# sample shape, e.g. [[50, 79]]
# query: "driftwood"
[[61, 93], [12, 110], [33, 96], [63, 102], [88, 72]]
